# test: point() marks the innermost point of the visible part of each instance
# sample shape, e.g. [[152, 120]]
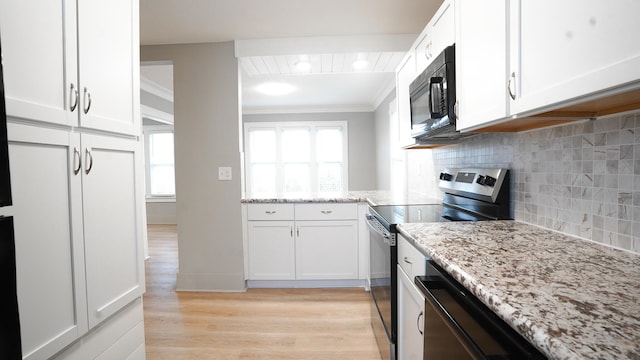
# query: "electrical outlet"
[[224, 173]]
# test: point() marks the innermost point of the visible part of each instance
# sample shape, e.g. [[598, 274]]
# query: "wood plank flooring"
[[257, 324]]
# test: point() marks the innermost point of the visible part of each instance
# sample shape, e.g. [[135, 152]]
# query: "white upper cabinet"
[[572, 48], [404, 76], [522, 63], [481, 62], [436, 36], [72, 65], [108, 57], [39, 59]]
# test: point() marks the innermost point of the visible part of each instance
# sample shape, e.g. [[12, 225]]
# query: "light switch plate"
[[224, 173]]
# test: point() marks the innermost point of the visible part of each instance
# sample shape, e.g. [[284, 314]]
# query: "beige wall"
[[206, 109]]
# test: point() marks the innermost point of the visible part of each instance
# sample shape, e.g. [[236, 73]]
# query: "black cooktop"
[[391, 215]]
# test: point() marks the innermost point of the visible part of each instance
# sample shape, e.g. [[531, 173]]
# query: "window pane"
[[161, 164], [329, 145], [263, 179], [296, 178], [161, 148], [263, 145], [295, 145], [330, 177], [163, 180]]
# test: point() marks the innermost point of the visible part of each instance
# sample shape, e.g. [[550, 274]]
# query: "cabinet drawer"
[[411, 260], [327, 211], [270, 212]]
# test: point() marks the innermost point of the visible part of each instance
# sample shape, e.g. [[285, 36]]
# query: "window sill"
[[161, 199]]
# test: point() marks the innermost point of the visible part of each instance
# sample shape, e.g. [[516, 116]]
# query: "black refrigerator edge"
[[10, 337]]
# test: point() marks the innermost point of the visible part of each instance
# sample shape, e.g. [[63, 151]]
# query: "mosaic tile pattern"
[[581, 179]]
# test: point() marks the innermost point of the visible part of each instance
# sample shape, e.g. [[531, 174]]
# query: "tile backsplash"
[[581, 179]]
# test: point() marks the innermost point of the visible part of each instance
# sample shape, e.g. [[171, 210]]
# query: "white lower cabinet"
[[271, 250], [315, 242], [76, 209], [49, 246], [327, 250], [410, 344]]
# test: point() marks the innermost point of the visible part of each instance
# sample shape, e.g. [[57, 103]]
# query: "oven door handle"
[[375, 226]]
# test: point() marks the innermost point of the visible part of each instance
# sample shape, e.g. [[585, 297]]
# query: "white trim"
[[384, 92], [156, 115], [301, 284], [324, 44], [307, 109], [156, 89]]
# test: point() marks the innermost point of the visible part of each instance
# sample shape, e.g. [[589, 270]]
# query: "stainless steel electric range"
[[468, 195]]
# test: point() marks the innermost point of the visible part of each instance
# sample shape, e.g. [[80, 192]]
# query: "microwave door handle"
[[438, 83]]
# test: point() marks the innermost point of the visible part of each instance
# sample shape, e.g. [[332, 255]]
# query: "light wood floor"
[[257, 324]]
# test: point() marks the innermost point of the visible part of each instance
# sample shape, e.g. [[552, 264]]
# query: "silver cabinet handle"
[[88, 160], [87, 100], [418, 322], [298, 231], [73, 97], [270, 212], [77, 161], [512, 83], [326, 211], [406, 259], [291, 230]]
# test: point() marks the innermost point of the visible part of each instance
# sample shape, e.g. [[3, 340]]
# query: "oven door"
[[458, 326], [382, 281]]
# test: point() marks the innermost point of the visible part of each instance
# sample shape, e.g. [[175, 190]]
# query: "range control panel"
[[483, 183]]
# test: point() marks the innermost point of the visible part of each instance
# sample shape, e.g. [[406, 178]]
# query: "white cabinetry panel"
[[326, 250], [583, 48], [39, 59], [49, 247], [112, 230], [410, 319], [271, 250], [107, 82], [72, 65]]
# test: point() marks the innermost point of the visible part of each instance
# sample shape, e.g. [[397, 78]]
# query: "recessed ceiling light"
[[302, 66], [275, 88], [360, 64]]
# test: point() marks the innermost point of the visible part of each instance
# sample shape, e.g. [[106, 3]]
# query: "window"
[[160, 163], [296, 158]]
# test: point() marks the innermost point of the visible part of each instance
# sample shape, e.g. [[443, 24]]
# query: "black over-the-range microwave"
[[432, 97]]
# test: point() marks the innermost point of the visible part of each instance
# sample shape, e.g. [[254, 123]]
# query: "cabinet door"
[[410, 319], [39, 59], [443, 28], [112, 197], [583, 47], [326, 250], [49, 246], [271, 250], [404, 76], [108, 65], [481, 72]]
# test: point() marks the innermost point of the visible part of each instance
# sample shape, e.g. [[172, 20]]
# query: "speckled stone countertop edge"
[[535, 335]]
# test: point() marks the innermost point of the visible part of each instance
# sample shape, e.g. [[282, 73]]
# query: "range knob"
[[488, 181], [480, 180], [445, 176]]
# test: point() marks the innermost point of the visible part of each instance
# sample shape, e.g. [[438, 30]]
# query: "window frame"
[[147, 131], [313, 126]]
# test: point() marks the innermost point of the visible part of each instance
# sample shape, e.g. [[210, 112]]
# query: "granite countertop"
[[373, 197], [571, 298]]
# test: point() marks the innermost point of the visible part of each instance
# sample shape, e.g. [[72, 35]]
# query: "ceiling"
[[274, 34]]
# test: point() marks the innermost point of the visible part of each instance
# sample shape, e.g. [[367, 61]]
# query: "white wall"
[[207, 116], [383, 148], [362, 141]]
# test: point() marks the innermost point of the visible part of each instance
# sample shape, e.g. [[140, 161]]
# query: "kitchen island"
[[571, 298]]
